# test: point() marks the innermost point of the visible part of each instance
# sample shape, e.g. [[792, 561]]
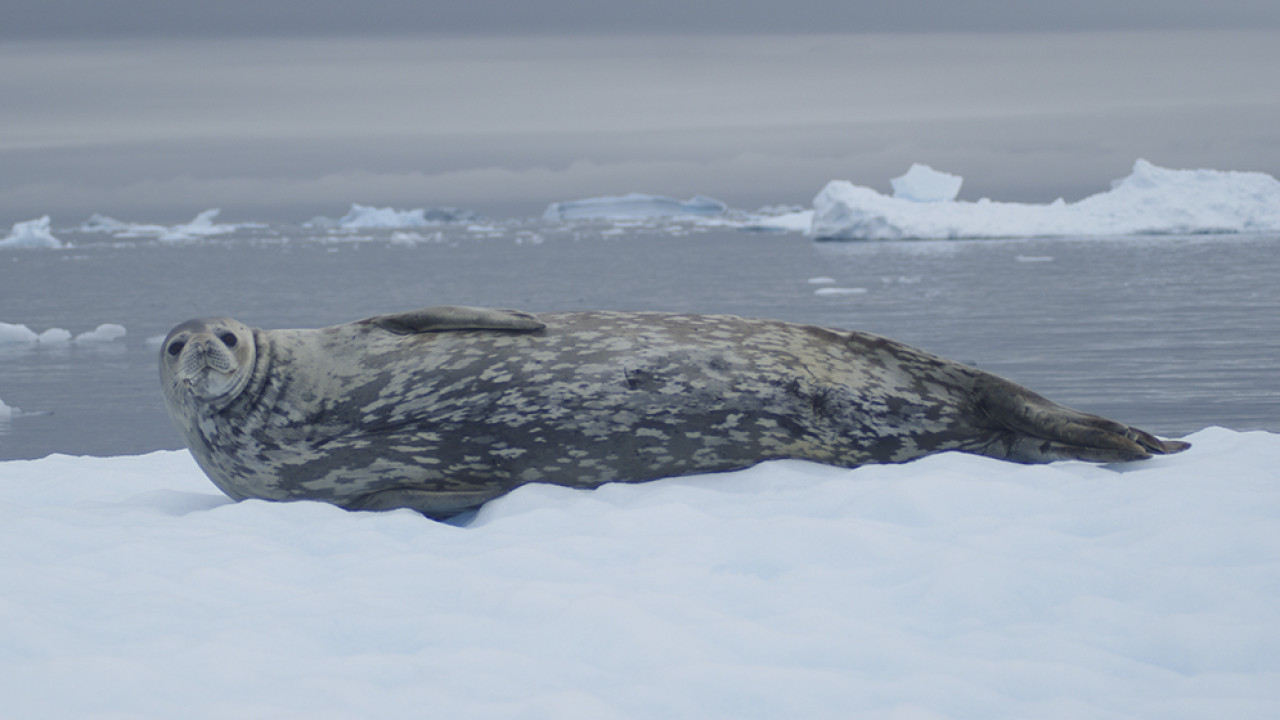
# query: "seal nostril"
[[228, 339], [175, 347]]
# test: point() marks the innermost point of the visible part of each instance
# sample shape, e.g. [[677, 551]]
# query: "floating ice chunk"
[[1151, 200], [924, 184], [7, 411], [31, 234], [320, 222], [54, 336], [633, 206], [99, 223], [102, 334], [23, 335], [366, 216], [830, 291], [201, 226], [17, 335], [797, 221]]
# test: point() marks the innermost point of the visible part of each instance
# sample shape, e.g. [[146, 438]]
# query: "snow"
[[951, 587], [1151, 200], [31, 234], [365, 216], [922, 183], [633, 206]]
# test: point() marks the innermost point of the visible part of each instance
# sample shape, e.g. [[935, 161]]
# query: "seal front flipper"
[[441, 318], [1030, 428]]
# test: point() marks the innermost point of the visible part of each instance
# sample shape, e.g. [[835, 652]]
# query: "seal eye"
[[228, 339], [175, 347]]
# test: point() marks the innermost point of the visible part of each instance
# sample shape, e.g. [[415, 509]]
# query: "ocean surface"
[[1169, 333]]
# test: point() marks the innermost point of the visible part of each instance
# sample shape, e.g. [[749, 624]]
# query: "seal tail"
[[1030, 428]]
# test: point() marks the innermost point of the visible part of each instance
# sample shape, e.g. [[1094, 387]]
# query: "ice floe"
[[1151, 200], [953, 586]]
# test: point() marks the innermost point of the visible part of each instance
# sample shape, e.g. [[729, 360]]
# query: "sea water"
[[1172, 334]]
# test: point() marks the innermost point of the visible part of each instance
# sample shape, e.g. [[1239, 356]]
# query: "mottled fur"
[[444, 408]]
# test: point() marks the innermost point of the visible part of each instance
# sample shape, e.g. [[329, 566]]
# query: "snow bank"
[[365, 216], [1151, 200], [31, 234], [633, 206], [951, 587]]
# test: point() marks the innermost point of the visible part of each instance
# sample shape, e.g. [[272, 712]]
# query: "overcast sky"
[[152, 111]]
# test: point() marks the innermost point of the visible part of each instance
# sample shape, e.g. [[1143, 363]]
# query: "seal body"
[[444, 408]]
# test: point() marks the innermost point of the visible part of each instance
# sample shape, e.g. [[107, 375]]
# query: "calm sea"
[[1172, 334]]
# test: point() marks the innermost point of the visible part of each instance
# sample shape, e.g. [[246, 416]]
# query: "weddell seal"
[[443, 408]]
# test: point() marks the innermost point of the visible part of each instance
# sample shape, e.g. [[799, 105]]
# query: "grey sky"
[[280, 110], [94, 18]]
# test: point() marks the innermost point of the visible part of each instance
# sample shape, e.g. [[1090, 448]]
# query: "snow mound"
[[951, 587], [924, 184], [365, 217], [31, 234], [633, 206], [1151, 200]]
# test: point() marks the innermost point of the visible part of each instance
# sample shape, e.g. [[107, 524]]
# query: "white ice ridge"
[[633, 206], [1151, 201], [367, 216], [31, 234]]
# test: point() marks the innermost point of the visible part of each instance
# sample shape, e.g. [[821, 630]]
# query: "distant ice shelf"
[[1150, 201]]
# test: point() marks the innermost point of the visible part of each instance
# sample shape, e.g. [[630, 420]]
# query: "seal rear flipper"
[[1030, 428], [442, 318]]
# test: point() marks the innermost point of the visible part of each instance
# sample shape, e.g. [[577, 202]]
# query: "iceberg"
[[1150, 201], [31, 234], [924, 184], [366, 216], [201, 226], [99, 223], [104, 333], [633, 206], [7, 411]]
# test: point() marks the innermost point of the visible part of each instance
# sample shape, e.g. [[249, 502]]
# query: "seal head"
[[208, 360]]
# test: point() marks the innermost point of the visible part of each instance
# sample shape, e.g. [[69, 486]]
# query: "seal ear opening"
[[443, 318]]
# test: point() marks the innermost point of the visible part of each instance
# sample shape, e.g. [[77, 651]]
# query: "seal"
[[444, 408]]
